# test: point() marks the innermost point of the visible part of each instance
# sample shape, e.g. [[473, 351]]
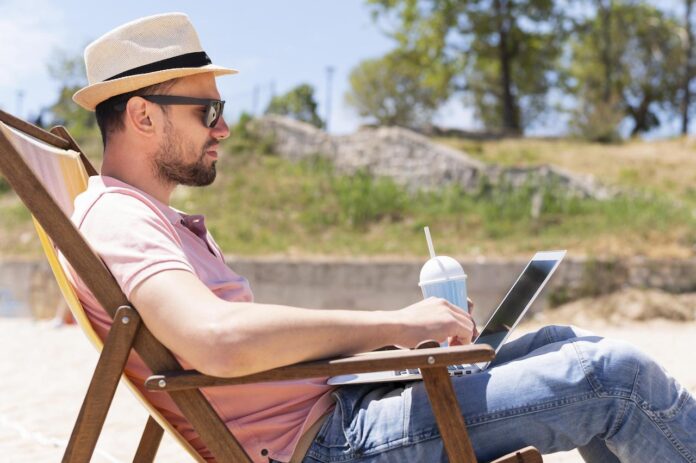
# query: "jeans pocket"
[[371, 417]]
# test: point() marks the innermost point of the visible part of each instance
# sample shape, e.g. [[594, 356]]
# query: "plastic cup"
[[444, 277]]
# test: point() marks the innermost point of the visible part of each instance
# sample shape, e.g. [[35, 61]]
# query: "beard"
[[170, 165]]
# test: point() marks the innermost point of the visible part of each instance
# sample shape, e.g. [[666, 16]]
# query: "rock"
[[585, 186], [413, 160], [409, 158], [293, 139], [627, 305]]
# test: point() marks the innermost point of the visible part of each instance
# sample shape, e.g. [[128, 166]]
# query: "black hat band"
[[188, 60]]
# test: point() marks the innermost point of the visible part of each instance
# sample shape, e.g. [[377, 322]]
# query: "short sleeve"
[[133, 238]]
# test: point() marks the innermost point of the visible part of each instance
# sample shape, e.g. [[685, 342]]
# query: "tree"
[[626, 55], [500, 53], [688, 65], [393, 90], [298, 103], [599, 111], [69, 71]]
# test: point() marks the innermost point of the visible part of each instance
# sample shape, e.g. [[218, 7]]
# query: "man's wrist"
[[390, 327]]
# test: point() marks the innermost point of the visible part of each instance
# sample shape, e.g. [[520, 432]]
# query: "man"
[[160, 114]]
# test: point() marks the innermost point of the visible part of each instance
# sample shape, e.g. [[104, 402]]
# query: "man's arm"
[[226, 339]]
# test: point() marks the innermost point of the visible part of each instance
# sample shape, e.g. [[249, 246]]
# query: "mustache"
[[210, 143]]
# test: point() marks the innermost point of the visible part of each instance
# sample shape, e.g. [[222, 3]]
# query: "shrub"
[[364, 199], [244, 139], [4, 186]]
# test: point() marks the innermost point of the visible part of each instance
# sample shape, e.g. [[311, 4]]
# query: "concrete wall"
[[28, 289], [367, 284]]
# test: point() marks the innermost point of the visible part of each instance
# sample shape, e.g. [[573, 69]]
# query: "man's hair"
[[109, 119]]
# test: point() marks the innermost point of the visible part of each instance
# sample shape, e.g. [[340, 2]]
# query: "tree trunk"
[[606, 48], [687, 68], [511, 123], [642, 117]]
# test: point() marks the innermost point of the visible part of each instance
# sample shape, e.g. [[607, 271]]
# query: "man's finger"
[[474, 333]]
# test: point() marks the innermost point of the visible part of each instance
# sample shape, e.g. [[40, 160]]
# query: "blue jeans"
[[557, 389]]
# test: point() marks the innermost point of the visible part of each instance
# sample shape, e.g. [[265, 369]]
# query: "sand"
[[45, 373]]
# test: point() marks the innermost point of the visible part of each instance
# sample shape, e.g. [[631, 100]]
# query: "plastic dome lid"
[[441, 268]]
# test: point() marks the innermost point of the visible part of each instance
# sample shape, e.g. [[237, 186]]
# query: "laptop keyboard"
[[454, 370]]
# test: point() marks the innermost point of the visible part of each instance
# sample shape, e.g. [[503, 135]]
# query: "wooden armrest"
[[362, 363], [421, 345]]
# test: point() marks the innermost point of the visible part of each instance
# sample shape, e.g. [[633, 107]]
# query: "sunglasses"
[[213, 108]]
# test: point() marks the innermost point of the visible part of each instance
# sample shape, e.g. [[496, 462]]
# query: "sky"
[[275, 44]]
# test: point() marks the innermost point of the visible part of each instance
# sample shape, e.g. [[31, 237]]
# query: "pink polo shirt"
[[137, 236]]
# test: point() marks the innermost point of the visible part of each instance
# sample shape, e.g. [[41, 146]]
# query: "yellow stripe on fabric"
[[70, 177], [66, 288], [74, 175]]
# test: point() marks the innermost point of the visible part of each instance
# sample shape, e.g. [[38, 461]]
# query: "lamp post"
[[329, 77]]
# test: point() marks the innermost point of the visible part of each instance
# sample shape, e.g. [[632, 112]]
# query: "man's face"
[[187, 151]]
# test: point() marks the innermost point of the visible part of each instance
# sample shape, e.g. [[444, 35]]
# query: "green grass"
[[17, 235], [266, 205], [262, 204], [4, 186]]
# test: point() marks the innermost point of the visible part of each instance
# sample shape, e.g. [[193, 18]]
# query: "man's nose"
[[221, 130]]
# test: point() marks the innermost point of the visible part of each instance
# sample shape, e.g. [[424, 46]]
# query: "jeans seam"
[[526, 409], [406, 412], [429, 434], [618, 422], [659, 420], [549, 335], [654, 416], [344, 425], [589, 376], [380, 449], [681, 402], [635, 399]]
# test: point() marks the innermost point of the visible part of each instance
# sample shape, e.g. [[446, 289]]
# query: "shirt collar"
[[174, 216]]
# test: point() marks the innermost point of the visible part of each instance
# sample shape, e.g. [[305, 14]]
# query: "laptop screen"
[[518, 300]]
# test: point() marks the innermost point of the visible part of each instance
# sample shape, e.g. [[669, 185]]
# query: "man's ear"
[[139, 116]]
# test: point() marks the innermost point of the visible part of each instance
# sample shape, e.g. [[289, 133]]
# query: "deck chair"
[[47, 170]]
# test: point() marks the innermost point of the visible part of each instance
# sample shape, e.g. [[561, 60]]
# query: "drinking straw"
[[431, 248], [430, 242]]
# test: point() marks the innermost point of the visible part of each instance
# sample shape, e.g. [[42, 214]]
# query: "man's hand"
[[454, 340], [435, 318]]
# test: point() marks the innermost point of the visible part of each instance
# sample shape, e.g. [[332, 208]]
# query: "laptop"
[[495, 332]]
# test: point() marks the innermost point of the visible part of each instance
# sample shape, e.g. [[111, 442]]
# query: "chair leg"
[[102, 387], [525, 455], [149, 442], [448, 415]]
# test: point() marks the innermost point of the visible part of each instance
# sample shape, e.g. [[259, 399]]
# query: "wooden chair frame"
[[127, 332]]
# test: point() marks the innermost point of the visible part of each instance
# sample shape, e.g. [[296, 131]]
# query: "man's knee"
[[614, 366], [630, 375]]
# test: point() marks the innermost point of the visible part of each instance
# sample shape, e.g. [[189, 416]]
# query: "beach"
[[45, 372]]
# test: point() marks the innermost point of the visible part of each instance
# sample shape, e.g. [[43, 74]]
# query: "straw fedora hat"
[[141, 53]]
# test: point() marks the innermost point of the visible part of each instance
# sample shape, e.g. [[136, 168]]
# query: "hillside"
[[262, 204], [665, 167]]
